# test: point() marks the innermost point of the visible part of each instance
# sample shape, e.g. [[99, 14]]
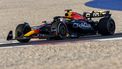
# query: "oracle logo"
[[81, 25]]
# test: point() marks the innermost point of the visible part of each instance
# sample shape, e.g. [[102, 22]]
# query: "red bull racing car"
[[71, 25]]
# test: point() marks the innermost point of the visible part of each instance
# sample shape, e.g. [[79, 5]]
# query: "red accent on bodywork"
[[37, 31], [77, 16]]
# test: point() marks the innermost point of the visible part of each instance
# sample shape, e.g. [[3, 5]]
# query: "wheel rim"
[[62, 31], [19, 34]]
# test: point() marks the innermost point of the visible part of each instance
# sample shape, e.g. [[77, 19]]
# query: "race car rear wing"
[[97, 14]]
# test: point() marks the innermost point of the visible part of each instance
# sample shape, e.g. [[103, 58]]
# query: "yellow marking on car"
[[29, 33]]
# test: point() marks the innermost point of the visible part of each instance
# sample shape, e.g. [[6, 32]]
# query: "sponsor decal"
[[81, 25]]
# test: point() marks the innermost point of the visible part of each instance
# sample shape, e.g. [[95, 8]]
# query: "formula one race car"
[[71, 25]]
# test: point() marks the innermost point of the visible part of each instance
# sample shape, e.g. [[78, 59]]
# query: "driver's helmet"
[[73, 15], [68, 13]]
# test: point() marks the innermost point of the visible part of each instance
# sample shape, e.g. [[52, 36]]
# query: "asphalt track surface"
[[15, 43]]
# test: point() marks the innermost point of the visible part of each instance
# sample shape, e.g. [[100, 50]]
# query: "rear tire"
[[106, 26], [22, 29]]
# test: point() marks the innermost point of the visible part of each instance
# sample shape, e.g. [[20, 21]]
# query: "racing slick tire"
[[60, 30], [22, 29], [106, 26]]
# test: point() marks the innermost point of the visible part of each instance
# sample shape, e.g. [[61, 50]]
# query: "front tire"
[[22, 29], [106, 26]]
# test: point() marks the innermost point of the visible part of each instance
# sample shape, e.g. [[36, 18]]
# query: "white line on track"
[[109, 39], [5, 44], [8, 42], [21, 46]]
